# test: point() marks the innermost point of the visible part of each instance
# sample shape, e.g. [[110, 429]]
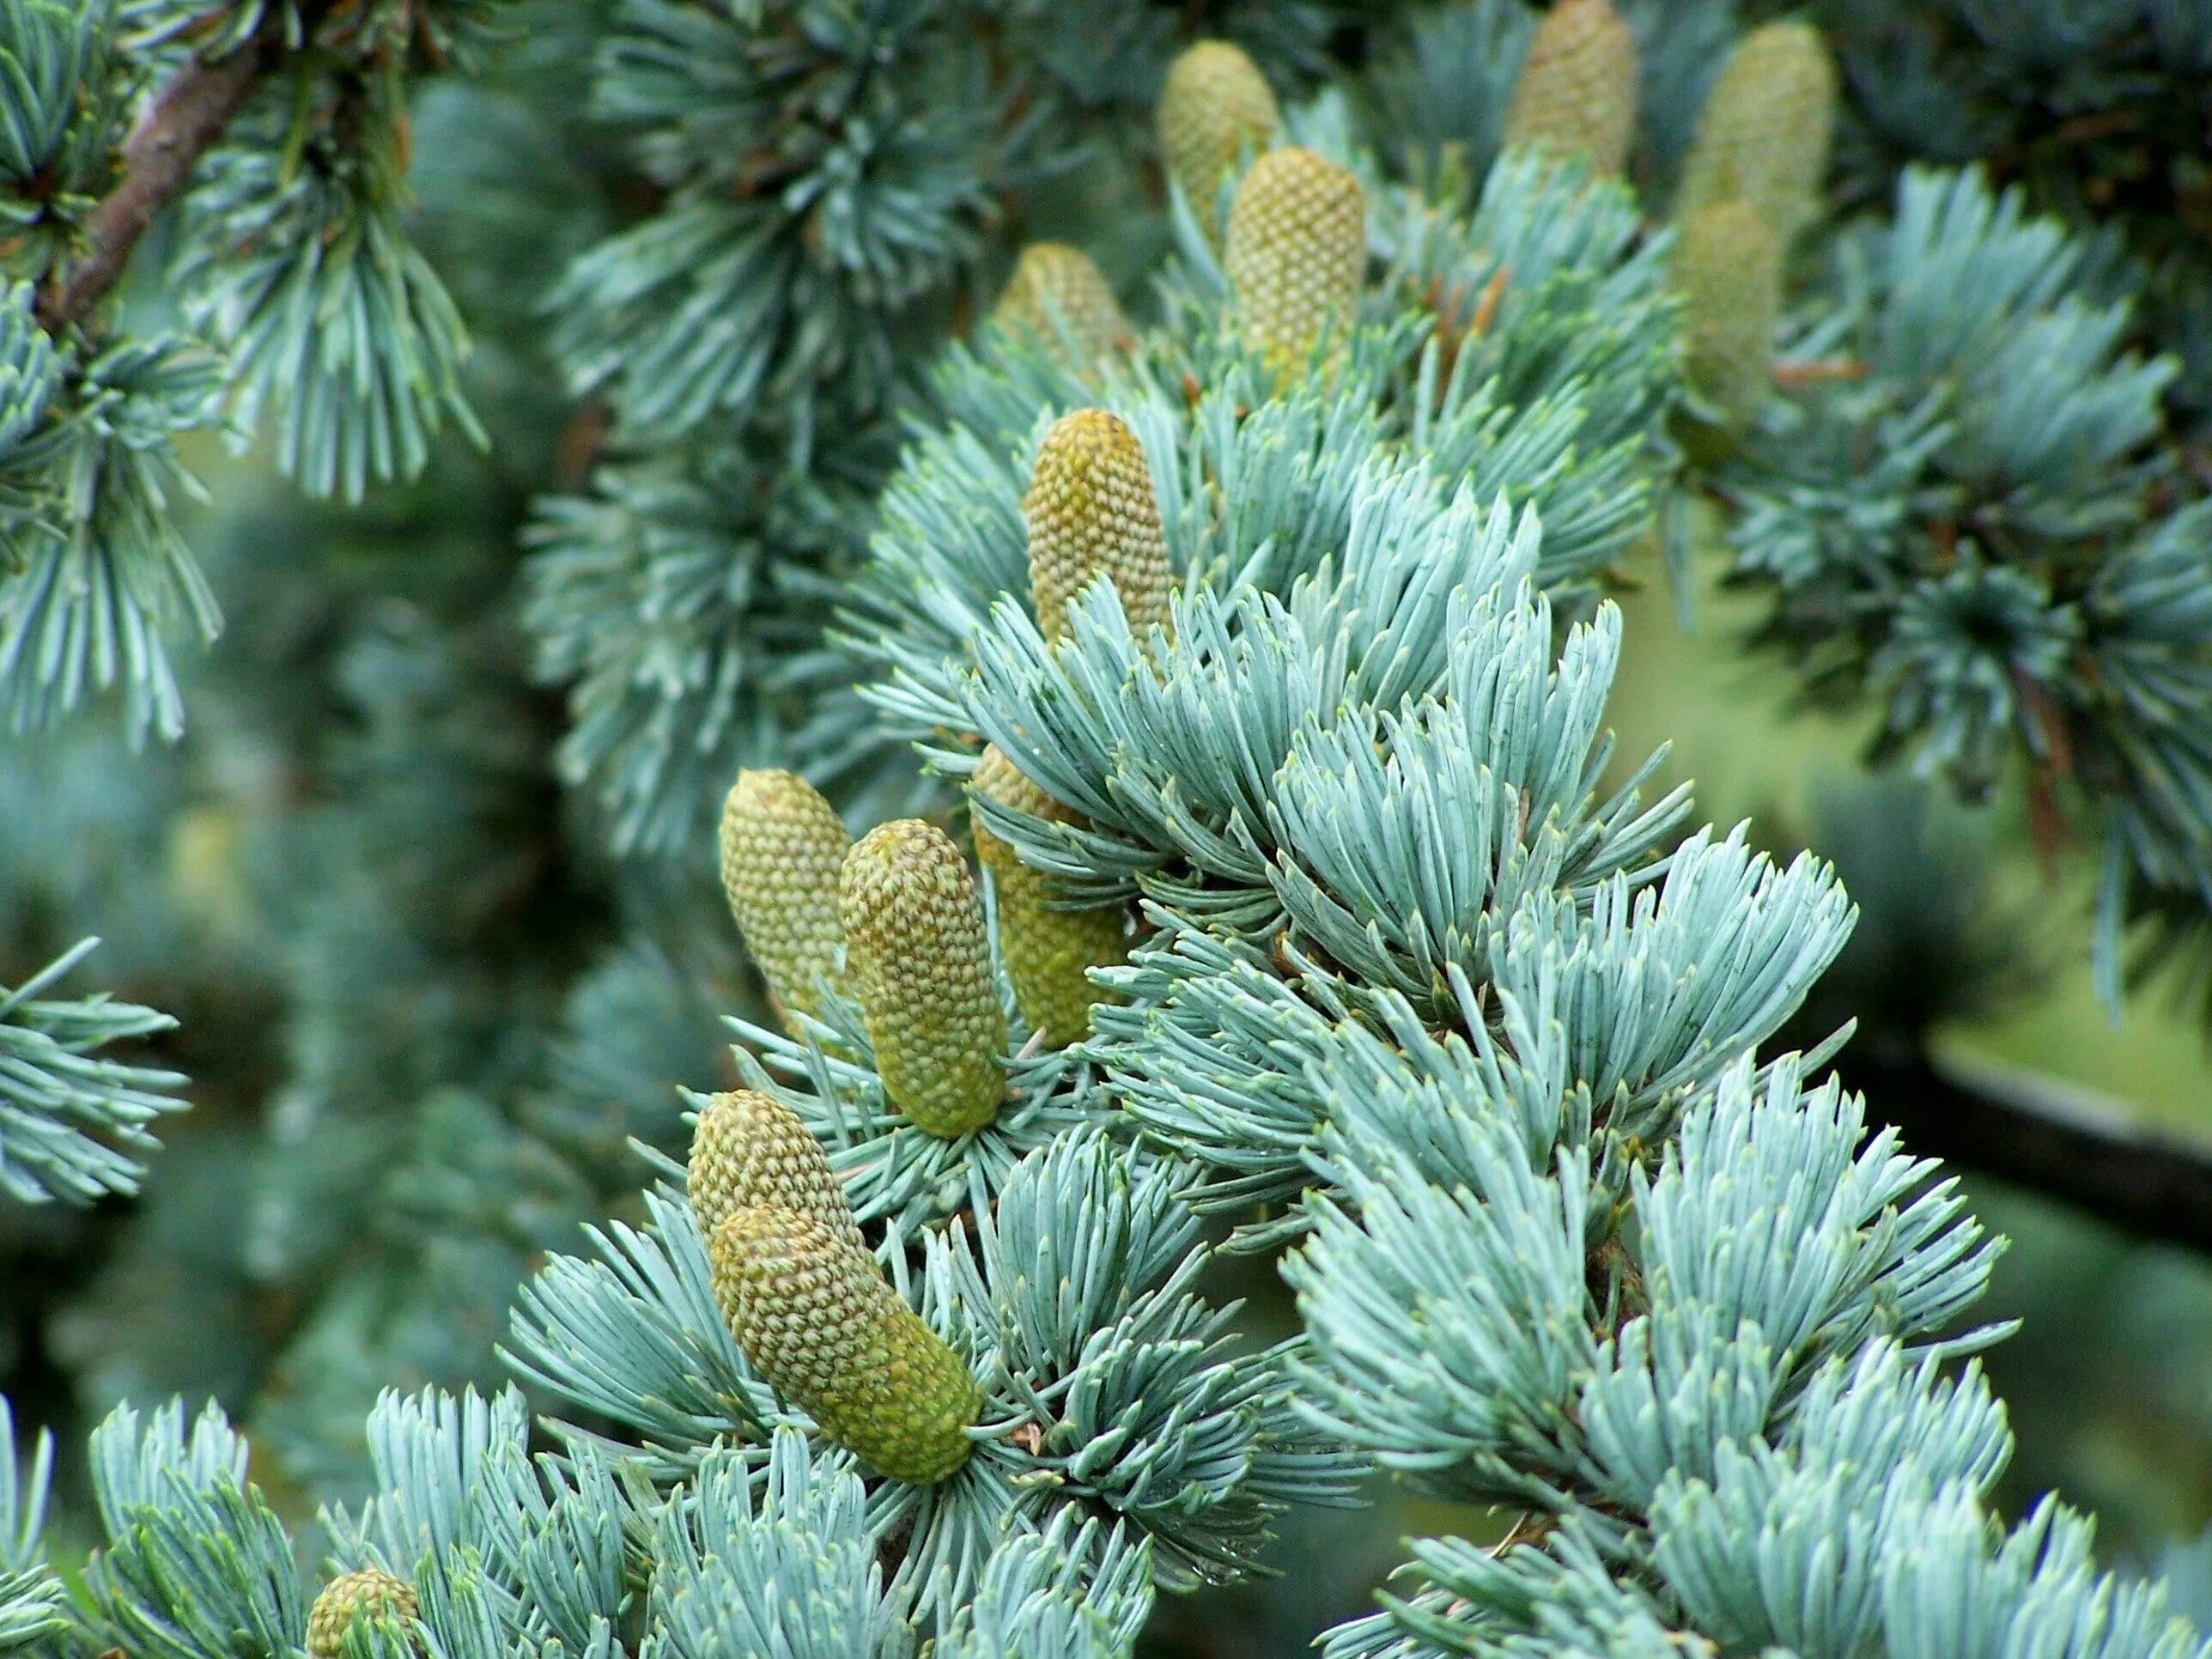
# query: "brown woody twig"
[[182, 124], [2058, 1142]]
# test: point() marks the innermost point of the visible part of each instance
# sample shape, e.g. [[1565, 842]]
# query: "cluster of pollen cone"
[[895, 922], [1292, 241], [1751, 182]]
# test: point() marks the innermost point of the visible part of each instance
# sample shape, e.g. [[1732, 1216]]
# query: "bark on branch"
[[182, 124], [2060, 1142]]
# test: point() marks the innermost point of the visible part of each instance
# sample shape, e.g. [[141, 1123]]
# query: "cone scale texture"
[[1045, 949], [1215, 106], [781, 848], [920, 959], [370, 1591], [1090, 509], [1294, 253], [818, 1319], [749, 1149], [1577, 92], [1764, 134], [1728, 268], [1057, 293]]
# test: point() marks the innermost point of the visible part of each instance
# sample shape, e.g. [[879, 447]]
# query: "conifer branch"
[[185, 121], [1313, 898]]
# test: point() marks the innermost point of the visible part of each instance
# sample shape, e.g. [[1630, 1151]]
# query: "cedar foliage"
[[1238, 588]]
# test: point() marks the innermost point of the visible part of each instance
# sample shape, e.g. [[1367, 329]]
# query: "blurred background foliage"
[[2110, 1380]]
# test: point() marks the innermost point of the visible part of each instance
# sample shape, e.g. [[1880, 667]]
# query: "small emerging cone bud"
[[920, 961], [1763, 136], [1091, 509], [1215, 106], [1576, 93], [1728, 270], [782, 847], [1058, 295], [1294, 253], [369, 1593], [818, 1319], [750, 1149], [1047, 949]]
